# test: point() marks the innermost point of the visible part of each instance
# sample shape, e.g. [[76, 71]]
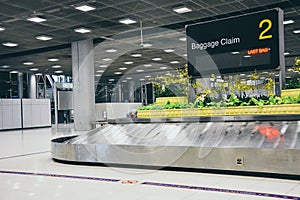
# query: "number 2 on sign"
[[264, 35]]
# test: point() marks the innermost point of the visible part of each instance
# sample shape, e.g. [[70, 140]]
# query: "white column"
[[84, 88], [32, 87]]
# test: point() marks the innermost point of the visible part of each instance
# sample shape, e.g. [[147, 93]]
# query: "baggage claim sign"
[[236, 44]]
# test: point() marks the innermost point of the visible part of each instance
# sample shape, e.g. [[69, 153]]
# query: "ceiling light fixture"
[[136, 55], [148, 76], [128, 78], [28, 63], [34, 69], [37, 19], [56, 66], [103, 66], [288, 22], [2, 28], [142, 79], [85, 8], [183, 39], [156, 59], [169, 50], [181, 9], [235, 52], [174, 62], [122, 68], [106, 59], [128, 62], [163, 67], [14, 72], [58, 72], [147, 45], [82, 30], [98, 75], [53, 59], [43, 37], [111, 50], [100, 71], [296, 31], [5, 66], [38, 74], [147, 65], [10, 44], [139, 70], [127, 21], [111, 79], [247, 56], [286, 53], [117, 73], [185, 55]]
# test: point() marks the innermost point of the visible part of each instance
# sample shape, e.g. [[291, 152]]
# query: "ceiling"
[[108, 33]]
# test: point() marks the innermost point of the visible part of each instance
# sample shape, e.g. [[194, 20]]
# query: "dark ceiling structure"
[[108, 33]]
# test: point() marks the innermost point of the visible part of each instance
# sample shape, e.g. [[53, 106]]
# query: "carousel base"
[[257, 145]]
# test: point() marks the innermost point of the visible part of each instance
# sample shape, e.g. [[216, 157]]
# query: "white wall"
[[36, 113]]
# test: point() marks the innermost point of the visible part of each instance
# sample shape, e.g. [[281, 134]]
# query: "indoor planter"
[[283, 109]]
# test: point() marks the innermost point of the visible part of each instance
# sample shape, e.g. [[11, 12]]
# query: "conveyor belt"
[[264, 145]]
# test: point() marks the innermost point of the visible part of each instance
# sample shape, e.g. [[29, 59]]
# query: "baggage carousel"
[[251, 144]]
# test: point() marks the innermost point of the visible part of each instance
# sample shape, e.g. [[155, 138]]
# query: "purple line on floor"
[[168, 185]]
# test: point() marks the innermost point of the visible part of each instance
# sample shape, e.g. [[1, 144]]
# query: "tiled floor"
[[28, 172]]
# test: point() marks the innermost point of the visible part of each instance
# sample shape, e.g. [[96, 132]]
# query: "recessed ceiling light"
[[117, 73], [2, 28], [265, 72], [111, 50], [124, 81], [185, 55], [103, 66], [169, 50], [147, 45], [128, 62], [147, 65], [122, 68], [297, 31], [82, 30], [111, 79], [156, 59], [43, 37], [288, 77], [53, 59], [106, 59], [277, 75], [235, 52], [242, 74], [148, 76], [85, 8], [163, 67], [127, 21], [56, 66], [37, 19], [34, 69], [286, 53], [58, 72], [247, 56], [38, 74], [139, 70], [128, 78], [10, 44], [288, 22], [182, 9], [98, 75], [28, 63], [100, 71], [136, 55], [182, 39], [5, 66], [142, 79], [174, 62], [14, 72]]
